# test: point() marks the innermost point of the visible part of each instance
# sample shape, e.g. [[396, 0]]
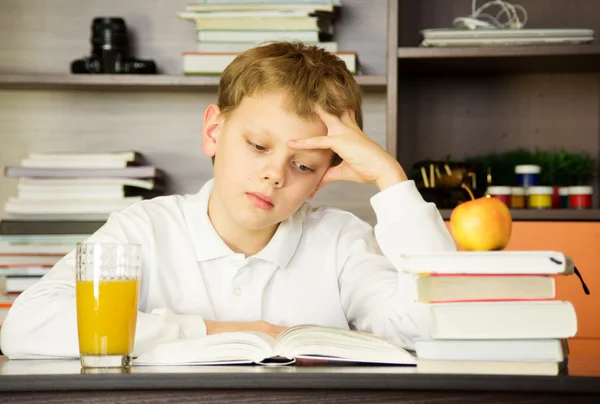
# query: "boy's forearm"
[[392, 174], [218, 327]]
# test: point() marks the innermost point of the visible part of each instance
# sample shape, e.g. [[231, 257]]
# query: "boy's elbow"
[[13, 339], [40, 328]]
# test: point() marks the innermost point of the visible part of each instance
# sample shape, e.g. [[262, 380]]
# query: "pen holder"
[[443, 182]]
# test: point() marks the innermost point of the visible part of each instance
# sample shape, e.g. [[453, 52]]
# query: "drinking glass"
[[107, 289]]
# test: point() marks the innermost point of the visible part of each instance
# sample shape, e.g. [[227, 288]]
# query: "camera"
[[109, 51]]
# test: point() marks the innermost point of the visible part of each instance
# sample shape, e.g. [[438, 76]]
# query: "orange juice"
[[106, 316]]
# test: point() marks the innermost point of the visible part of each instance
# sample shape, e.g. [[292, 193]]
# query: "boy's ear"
[[210, 129]]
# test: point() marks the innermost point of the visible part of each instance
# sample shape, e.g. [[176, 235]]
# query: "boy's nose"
[[274, 174], [274, 179]]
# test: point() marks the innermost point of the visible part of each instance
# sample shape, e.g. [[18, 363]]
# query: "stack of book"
[[224, 29], [25, 259], [62, 198], [71, 186], [6, 301], [493, 312]]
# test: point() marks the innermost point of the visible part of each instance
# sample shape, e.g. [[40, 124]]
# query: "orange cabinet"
[[581, 241]]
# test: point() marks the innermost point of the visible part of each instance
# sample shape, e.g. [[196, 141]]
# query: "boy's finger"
[[317, 142], [348, 118], [328, 119], [331, 175]]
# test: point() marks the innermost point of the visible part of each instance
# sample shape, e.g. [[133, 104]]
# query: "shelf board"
[[500, 59], [135, 82], [546, 215]]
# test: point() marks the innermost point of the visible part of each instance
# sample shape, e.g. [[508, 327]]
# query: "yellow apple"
[[482, 224]]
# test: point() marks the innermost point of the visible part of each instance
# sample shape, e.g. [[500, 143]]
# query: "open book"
[[300, 342]]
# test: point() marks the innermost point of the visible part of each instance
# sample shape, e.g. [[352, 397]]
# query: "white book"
[[502, 320], [39, 245], [334, 2], [257, 36], [52, 183], [191, 15], [15, 205], [239, 47], [490, 368], [259, 23], [56, 249], [215, 63], [300, 342], [27, 239], [18, 284], [24, 271], [72, 163], [60, 195], [231, 6], [82, 160], [120, 156], [43, 172], [495, 350], [488, 262], [28, 260], [462, 288], [53, 217]]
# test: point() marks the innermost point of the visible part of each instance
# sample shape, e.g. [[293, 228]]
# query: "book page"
[[225, 348], [344, 345]]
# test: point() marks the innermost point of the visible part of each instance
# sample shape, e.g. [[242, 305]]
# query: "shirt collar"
[[208, 244]]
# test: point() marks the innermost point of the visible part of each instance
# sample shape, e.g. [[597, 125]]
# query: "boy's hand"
[[217, 327], [364, 160]]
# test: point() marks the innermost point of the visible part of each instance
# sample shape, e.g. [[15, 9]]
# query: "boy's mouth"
[[259, 200]]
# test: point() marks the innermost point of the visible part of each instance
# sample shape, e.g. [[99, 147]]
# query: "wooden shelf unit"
[[470, 101], [156, 82], [546, 215], [498, 59]]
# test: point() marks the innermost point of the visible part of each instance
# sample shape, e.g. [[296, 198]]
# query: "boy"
[[246, 252]]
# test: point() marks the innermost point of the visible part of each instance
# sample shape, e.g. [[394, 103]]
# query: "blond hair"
[[310, 76]]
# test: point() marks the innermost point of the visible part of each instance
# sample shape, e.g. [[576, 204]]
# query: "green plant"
[[502, 165], [563, 168], [559, 167]]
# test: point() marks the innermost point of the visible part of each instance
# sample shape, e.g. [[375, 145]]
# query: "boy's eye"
[[256, 146], [304, 168]]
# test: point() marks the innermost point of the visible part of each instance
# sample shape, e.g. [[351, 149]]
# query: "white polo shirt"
[[323, 266]]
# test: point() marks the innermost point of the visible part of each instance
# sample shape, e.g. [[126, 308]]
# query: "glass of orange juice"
[[107, 289]]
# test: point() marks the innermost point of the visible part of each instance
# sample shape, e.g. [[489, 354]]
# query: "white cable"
[[508, 11]]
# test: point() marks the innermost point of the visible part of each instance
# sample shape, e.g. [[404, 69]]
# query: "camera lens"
[[109, 33]]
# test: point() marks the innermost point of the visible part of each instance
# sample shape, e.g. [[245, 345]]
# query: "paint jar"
[[580, 197], [563, 193], [517, 198], [528, 174], [500, 192], [539, 197]]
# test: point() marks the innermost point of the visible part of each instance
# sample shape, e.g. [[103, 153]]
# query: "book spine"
[[521, 299], [21, 227]]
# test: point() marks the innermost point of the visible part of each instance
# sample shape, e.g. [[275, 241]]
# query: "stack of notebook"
[[493, 312], [224, 29]]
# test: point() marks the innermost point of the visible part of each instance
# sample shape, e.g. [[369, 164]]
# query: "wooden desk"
[[63, 382]]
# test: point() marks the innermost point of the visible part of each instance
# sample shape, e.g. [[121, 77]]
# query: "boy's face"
[[259, 180]]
